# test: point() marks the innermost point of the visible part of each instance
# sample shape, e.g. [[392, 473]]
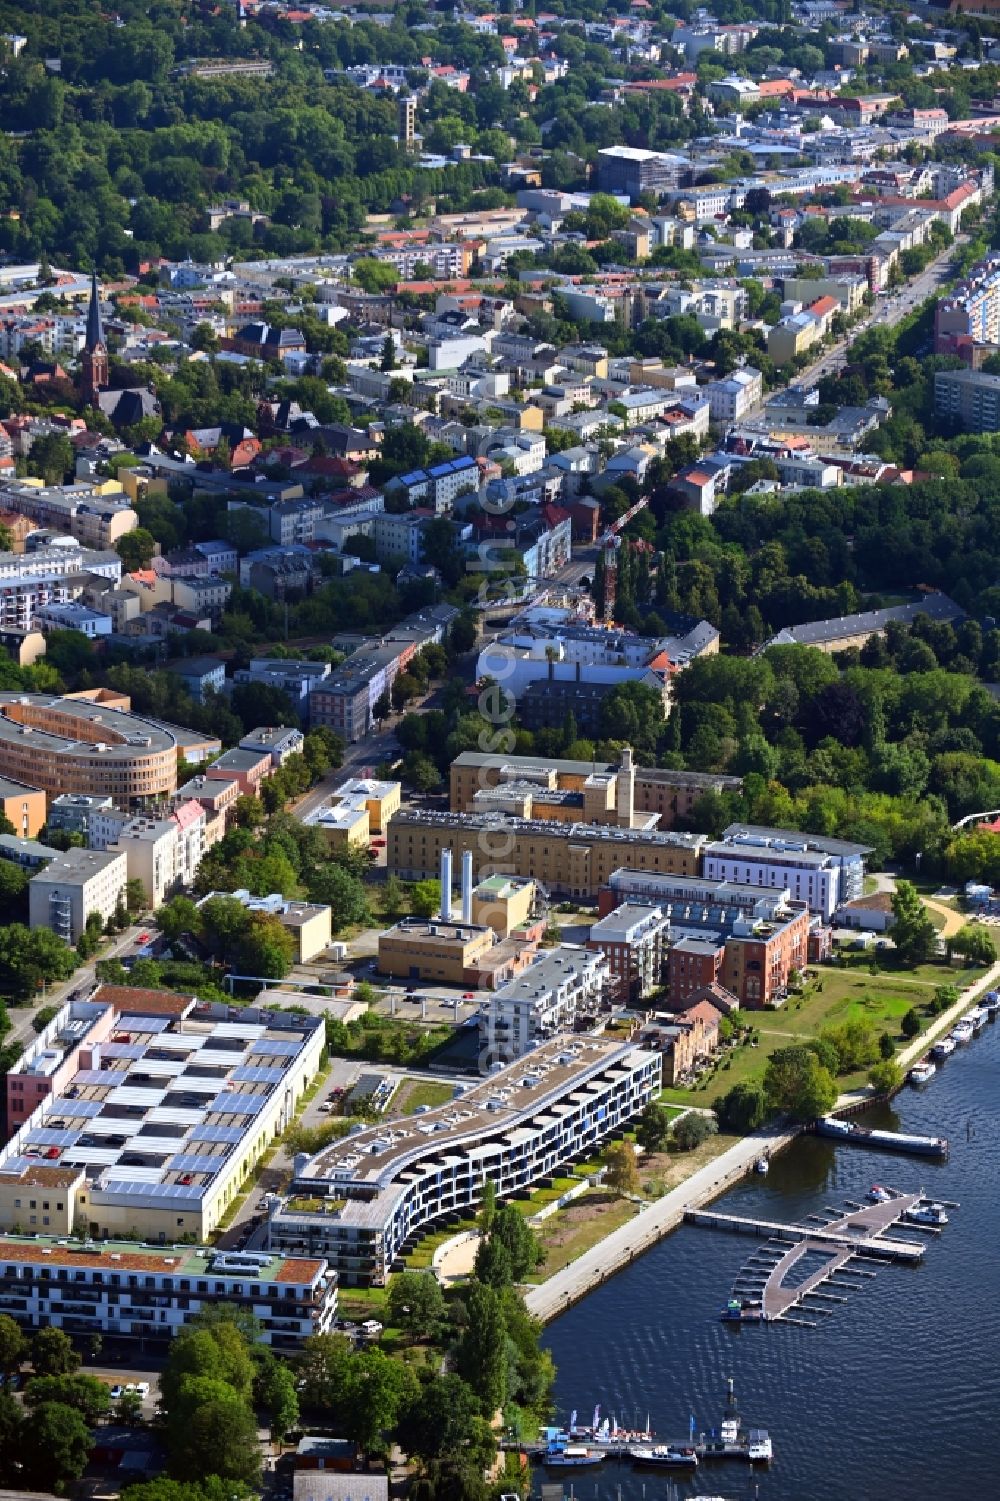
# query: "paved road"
[[555, 1295], [890, 310]]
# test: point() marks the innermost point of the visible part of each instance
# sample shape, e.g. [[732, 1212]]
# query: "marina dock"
[[785, 1278]]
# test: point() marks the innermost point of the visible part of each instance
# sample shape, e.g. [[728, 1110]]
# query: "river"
[[895, 1395]]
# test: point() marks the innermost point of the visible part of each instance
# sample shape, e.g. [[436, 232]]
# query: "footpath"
[[617, 1250]]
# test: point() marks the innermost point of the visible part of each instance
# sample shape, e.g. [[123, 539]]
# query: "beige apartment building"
[[78, 745], [72, 886]]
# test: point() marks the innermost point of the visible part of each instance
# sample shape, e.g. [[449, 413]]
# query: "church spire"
[[95, 327]]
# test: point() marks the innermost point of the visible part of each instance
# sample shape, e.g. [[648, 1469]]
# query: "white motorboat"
[[759, 1447], [927, 1214], [762, 1166], [922, 1072], [962, 1031], [978, 1016], [943, 1049], [879, 1195]]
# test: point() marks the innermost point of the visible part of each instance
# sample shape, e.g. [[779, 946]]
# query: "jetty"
[[798, 1259]]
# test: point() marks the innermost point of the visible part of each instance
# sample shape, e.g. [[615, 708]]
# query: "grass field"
[[579, 1226], [417, 1092], [840, 993]]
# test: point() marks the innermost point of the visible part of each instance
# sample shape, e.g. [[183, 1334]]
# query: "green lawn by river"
[[839, 993]]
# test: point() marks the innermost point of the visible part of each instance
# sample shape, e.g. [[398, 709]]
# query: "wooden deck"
[[778, 1299]]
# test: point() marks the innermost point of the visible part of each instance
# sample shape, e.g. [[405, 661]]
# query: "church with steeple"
[[94, 359]]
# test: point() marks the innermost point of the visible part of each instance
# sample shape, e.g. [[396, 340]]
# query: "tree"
[[512, 1230], [323, 1366], [621, 1173], [443, 1421], [211, 1429], [90, 1397], [136, 549], [275, 1391], [388, 359], [693, 1129], [13, 1345], [136, 899], [393, 896], [378, 1390], [481, 1356], [343, 893], [910, 1026], [425, 898], [653, 1128], [266, 949], [974, 944], [885, 1075], [913, 933], [886, 1046], [51, 458], [52, 1354], [415, 1303], [492, 1266], [743, 1108], [55, 1447], [178, 917], [11, 1424], [798, 1085]]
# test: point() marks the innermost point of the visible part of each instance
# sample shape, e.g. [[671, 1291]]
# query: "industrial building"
[[150, 1109], [361, 1201]]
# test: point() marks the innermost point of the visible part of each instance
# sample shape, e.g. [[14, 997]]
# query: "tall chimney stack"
[[446, 885], [467, 886]]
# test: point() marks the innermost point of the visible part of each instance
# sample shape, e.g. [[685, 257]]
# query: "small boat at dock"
[[666, 1457], [991, 1004], [879, 1195], [762, 1166], [893, 1141], [927, 1214], [943, 1049], [922, 1072], [571, 1457], [962, 1031]]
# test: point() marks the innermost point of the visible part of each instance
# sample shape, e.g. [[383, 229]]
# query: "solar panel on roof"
[[230, 1135], [250, 1074], [144, 1023], [64, 1106], [108, 1076], [238, 1104], [276, 1047], [44, 1138], [129, 1187], [194, 1162]]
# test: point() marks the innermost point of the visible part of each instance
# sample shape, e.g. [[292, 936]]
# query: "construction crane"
[[609, 543]]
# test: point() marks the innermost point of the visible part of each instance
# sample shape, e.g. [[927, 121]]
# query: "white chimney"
[[467, 887], [446, 885]]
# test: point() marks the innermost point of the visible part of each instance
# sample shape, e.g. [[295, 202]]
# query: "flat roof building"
[[633, 938], [147, 1292], [433, 949], [73, 885], [153, 1107], [23, 805], [78, 745], [359, 1202], [564, 984]]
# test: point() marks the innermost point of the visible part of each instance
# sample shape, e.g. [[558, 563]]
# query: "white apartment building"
[[31, 581], [730, 399], [562, 984], [809, 875], [149, 1292], [358, 1201], [71, 887]]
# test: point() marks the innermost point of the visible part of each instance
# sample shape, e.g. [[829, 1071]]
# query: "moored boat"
[[571, 1457], [879, 1195], [927, 1214], [762, 1166], [962, 1031], [991, 1004], [894, 1141], [666, 1457], [943, 1049], [922, 1072]]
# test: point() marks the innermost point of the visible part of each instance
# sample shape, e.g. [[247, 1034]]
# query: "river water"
[[894, 1396]]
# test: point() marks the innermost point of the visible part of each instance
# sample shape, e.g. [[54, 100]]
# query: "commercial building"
[[669, 794], [77, 745], [754, 960], [563, 985], [575, 859], [361, 1201], [133, 1291], [818, 871], [24, 806], [633, 170], [154, 1106], [72, 886], [503, 903], [968, 398], [633, 938]]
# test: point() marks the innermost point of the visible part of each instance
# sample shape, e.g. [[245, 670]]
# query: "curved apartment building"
[[75, 745]]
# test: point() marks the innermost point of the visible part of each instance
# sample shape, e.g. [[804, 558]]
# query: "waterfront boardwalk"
[[777, 1299], [654, 1220]]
